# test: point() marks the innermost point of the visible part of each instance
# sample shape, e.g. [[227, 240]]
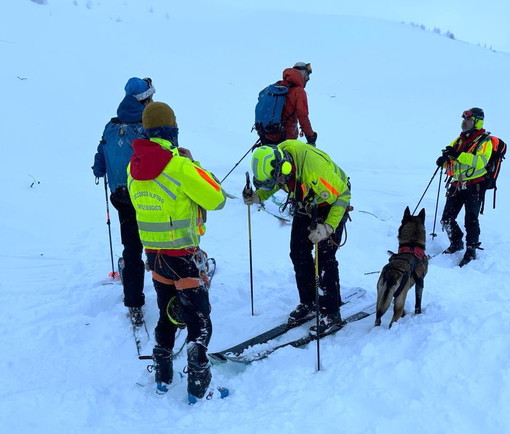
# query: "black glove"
[[311, 139], [442, 160], [451, 152]]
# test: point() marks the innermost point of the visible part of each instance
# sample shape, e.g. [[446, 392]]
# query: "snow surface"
[[384, 97]]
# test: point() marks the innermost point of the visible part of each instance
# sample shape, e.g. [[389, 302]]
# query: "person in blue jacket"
[[111, 160]]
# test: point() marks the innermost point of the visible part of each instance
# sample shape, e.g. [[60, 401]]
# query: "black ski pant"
[[134, 267], [194, 305], [471, 199], [304, 265]]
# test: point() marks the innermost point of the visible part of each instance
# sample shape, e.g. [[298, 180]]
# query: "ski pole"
[[113, 274], [242, 158], [313, 225], [433, 234], [428, 185], [248, 187]]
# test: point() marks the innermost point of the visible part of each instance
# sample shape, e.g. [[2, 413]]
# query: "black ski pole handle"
[[248, 184]]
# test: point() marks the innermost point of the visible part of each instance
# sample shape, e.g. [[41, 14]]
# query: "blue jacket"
[[115, 148]]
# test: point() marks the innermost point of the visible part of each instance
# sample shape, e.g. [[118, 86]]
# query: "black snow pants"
[[471, 199], [134, 267], [194, 304], [304, 266]]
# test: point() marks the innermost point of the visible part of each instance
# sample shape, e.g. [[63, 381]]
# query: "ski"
[[114, 276], [110, 281], [282, 219], [140, 333], [297, 343], [349, 297], [120, 265], [210, 269]]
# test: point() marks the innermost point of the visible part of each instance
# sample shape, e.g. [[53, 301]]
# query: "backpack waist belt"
[[185, 283], [173, 252], [464, 184]]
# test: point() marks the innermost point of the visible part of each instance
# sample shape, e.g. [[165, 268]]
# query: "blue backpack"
[[115, 150], [269, 108]]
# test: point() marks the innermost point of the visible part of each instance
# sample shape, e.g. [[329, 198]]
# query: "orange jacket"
[[296, 106]]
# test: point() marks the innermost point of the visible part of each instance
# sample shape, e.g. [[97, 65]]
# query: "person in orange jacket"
[[296, 106]]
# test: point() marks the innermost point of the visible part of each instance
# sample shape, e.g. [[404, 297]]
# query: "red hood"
[[148, 160], [293, 76]]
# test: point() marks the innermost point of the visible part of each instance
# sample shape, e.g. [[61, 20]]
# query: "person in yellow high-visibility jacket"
[[465, 160], [312, 181], [170, 192]]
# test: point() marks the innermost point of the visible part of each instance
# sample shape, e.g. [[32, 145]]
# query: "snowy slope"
[[384, 98]]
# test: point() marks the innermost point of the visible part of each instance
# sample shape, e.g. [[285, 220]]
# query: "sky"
[[483, 23], [383, 110]]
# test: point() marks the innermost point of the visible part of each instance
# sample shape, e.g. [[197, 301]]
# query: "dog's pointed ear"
[[422, 214], [407, 214]]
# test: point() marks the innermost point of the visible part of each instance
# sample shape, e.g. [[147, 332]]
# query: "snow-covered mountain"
[[384, 97]]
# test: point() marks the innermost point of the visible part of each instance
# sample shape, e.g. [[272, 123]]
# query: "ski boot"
[[301, 313], [163, 366], [469, 255], [200, 387], [136, 315], [455, 246], [328, 323]]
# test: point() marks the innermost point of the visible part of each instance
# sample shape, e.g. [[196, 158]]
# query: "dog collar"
[[419, 252]]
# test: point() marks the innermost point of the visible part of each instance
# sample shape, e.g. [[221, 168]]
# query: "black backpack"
[[493, 168]]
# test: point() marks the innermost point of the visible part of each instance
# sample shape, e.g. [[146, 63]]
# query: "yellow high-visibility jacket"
[[471, 163], [314, 169], [169, 193]]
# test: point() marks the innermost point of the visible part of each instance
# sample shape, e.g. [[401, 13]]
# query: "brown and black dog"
[[406, 268]]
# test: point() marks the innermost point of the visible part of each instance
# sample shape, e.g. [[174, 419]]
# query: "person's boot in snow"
[[327, 323], [164, 368], [136, 315], [455, 246], [199, 376], [469, 255], [302, 312]]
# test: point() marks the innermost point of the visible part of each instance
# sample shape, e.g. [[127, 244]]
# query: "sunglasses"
[[148, 81]]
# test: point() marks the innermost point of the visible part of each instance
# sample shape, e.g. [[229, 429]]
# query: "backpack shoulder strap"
[[478, 141]]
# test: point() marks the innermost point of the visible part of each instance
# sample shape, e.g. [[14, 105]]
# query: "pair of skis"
[[261, 346]]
